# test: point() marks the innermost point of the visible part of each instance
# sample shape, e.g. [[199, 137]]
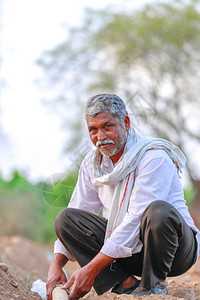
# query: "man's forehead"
[[103, 117]]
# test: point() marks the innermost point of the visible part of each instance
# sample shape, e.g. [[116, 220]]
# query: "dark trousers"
[[169, 245]]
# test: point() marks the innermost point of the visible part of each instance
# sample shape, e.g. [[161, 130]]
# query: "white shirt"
[[156, 178]]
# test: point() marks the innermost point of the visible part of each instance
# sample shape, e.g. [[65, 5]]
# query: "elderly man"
[[145, 229]]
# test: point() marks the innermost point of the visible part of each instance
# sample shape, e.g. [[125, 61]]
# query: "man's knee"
[[157, 214], [61, 219]]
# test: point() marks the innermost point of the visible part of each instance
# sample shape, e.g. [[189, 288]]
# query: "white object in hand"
[[59, 294]]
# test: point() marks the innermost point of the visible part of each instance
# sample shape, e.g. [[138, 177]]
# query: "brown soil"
[[22, 262]]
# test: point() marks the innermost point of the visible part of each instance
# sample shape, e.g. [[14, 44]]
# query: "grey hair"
[[106, 103]]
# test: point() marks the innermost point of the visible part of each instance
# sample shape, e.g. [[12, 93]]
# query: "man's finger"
[[49, 293], [75, 293], [68, 284]]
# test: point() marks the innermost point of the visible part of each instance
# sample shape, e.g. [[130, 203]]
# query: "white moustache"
[[106, 141]]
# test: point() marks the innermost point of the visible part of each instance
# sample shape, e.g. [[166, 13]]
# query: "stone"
[[14, 284], [186, 294], [3, 267]]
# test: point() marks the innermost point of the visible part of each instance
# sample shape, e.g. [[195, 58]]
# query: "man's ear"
[[127, 123]]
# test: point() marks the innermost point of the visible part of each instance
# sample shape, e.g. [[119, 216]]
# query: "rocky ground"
[[22, 262]]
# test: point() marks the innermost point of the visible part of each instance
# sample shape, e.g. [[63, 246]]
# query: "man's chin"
[[108, 152]]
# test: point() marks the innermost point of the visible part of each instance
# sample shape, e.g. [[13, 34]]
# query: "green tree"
[[150, 57]]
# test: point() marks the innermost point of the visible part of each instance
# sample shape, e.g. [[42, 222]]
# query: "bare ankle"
[[128, 282]]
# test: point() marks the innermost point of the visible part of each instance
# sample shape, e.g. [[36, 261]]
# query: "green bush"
[[27, 211], [189, 195]]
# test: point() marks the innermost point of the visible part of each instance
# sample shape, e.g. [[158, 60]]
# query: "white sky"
[[34, 139]]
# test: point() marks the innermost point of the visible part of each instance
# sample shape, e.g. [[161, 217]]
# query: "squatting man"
[[145, 229]]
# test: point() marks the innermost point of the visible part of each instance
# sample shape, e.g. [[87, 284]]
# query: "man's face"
[[108, 134]]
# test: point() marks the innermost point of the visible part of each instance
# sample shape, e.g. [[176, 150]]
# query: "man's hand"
[[56, 274], [81, 282]]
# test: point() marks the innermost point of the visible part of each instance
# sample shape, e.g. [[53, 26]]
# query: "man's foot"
[[159, 289], [127, 286]]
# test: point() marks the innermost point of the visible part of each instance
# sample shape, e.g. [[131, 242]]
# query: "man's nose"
[[101, 135]]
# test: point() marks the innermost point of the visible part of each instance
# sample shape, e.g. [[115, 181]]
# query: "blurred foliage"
[[25, 209], [189, 194]]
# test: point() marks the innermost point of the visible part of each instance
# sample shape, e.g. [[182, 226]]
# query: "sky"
[[33, 138]]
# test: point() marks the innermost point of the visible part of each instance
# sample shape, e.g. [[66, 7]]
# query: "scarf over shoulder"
[[122, 175]]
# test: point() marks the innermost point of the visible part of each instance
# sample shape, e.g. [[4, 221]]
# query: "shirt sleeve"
[[59, 248], [153, 179], [84, 197]]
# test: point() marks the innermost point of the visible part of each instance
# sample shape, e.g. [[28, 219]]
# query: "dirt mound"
[[22, 262]]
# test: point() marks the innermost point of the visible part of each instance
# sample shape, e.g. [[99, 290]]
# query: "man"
[[146, 229]]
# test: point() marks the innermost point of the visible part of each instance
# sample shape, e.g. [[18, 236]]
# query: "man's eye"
[[92, 130], [108, 126]]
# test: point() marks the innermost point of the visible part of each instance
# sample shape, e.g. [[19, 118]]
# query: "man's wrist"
[[60, 259], [98, 263]]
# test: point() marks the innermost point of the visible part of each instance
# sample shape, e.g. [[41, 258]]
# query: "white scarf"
[[123, 173]]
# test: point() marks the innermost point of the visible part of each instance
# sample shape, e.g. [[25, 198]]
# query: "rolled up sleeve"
[[59, 248], [84, 197]]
